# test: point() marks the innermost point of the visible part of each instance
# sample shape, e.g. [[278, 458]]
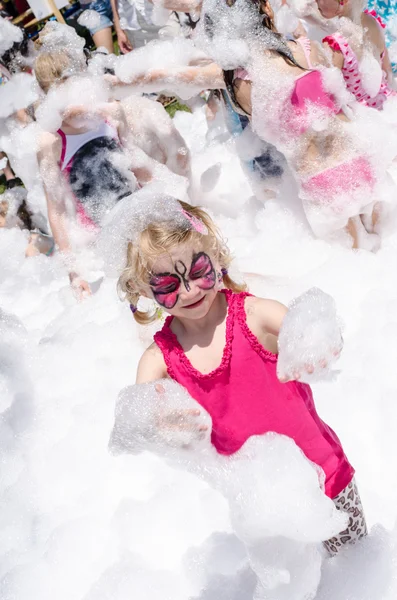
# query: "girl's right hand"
[[185, 421], [80, 287], [123, 42]]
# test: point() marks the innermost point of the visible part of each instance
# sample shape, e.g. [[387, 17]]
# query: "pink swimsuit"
[[351, 71], [308, 89], [341, 189], [244, 397]]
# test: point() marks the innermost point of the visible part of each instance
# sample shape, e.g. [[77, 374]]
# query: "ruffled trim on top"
[[163, 341], [374, 14], [332, 43], [242, 321], [167, 340]]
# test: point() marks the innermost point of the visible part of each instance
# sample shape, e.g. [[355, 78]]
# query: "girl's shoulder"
[[151, 365], [265, 313]]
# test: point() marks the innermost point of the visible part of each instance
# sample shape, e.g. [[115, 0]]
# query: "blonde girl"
[[216, 333]]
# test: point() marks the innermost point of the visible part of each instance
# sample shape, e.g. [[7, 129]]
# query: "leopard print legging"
[[348, 501]]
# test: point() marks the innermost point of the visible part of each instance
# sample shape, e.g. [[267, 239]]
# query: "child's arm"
[[189, 421], [55, 192], [272, 315], [378, 40], [307, 336], [206, 76], [265, 315], [151, 367], [122, 39]]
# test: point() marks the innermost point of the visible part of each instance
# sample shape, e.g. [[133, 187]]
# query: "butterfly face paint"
[[181, 269], [202, 271], [166, 286]]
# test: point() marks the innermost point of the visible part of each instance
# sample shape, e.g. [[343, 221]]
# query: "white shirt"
[[134, 14]]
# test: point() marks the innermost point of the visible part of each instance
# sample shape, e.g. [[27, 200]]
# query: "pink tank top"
[[351, 71], [244, 397]]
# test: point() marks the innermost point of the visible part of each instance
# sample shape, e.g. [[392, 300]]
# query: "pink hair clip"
[[195, 223]]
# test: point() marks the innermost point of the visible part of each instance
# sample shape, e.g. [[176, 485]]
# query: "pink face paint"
[[202, 271], [165, 288]]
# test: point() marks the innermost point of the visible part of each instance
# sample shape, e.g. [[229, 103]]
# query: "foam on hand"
[[310, 339], [160, 417]]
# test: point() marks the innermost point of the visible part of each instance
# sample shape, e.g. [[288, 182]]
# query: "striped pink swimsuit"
[[352, 75], [245, 397]]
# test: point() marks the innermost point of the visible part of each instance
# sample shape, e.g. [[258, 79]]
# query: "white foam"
[[79, 523], [9, 34], [89, 18], [310, 339], [264, 484], [19, 92]]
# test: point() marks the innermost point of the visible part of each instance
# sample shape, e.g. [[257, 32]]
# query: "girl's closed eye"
[[165, 288], [203, 269]]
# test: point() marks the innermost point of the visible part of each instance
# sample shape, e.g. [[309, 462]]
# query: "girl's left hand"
[[308, 369]]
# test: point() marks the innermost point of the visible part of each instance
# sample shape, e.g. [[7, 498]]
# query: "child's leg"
[[371, 221], [348, 501], [351, 229], [39, 244]]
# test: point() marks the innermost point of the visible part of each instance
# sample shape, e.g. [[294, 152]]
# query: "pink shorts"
[[347, 178]]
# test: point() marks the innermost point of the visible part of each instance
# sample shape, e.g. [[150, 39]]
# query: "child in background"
[[15, 213], [101, 32], [348, 51], [214, 333], [79, 161]]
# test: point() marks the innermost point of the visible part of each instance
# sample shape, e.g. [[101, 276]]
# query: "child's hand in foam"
[[310, 339], [179, 426]]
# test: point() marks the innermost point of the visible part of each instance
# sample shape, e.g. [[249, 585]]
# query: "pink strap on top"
[[374, 15], [352, 75], [305, 44], [63, 151], [82, 216]]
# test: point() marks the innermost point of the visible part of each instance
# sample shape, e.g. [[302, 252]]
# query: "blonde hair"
[[50, 68], [158, 239]]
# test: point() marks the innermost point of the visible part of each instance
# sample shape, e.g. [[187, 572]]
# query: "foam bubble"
[[310, 338]]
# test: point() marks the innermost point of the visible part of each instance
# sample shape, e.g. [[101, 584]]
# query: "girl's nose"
[[189, 289]]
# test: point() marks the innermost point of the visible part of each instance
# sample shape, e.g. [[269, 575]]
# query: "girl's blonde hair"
[[50, 67], [158, 239]]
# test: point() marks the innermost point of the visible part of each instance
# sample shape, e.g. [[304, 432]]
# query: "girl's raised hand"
[[310, 339], [318, 369]]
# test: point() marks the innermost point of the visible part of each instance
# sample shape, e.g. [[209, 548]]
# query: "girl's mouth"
[[195, 304]]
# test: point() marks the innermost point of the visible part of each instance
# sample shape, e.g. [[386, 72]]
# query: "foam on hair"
[[158, 238]]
